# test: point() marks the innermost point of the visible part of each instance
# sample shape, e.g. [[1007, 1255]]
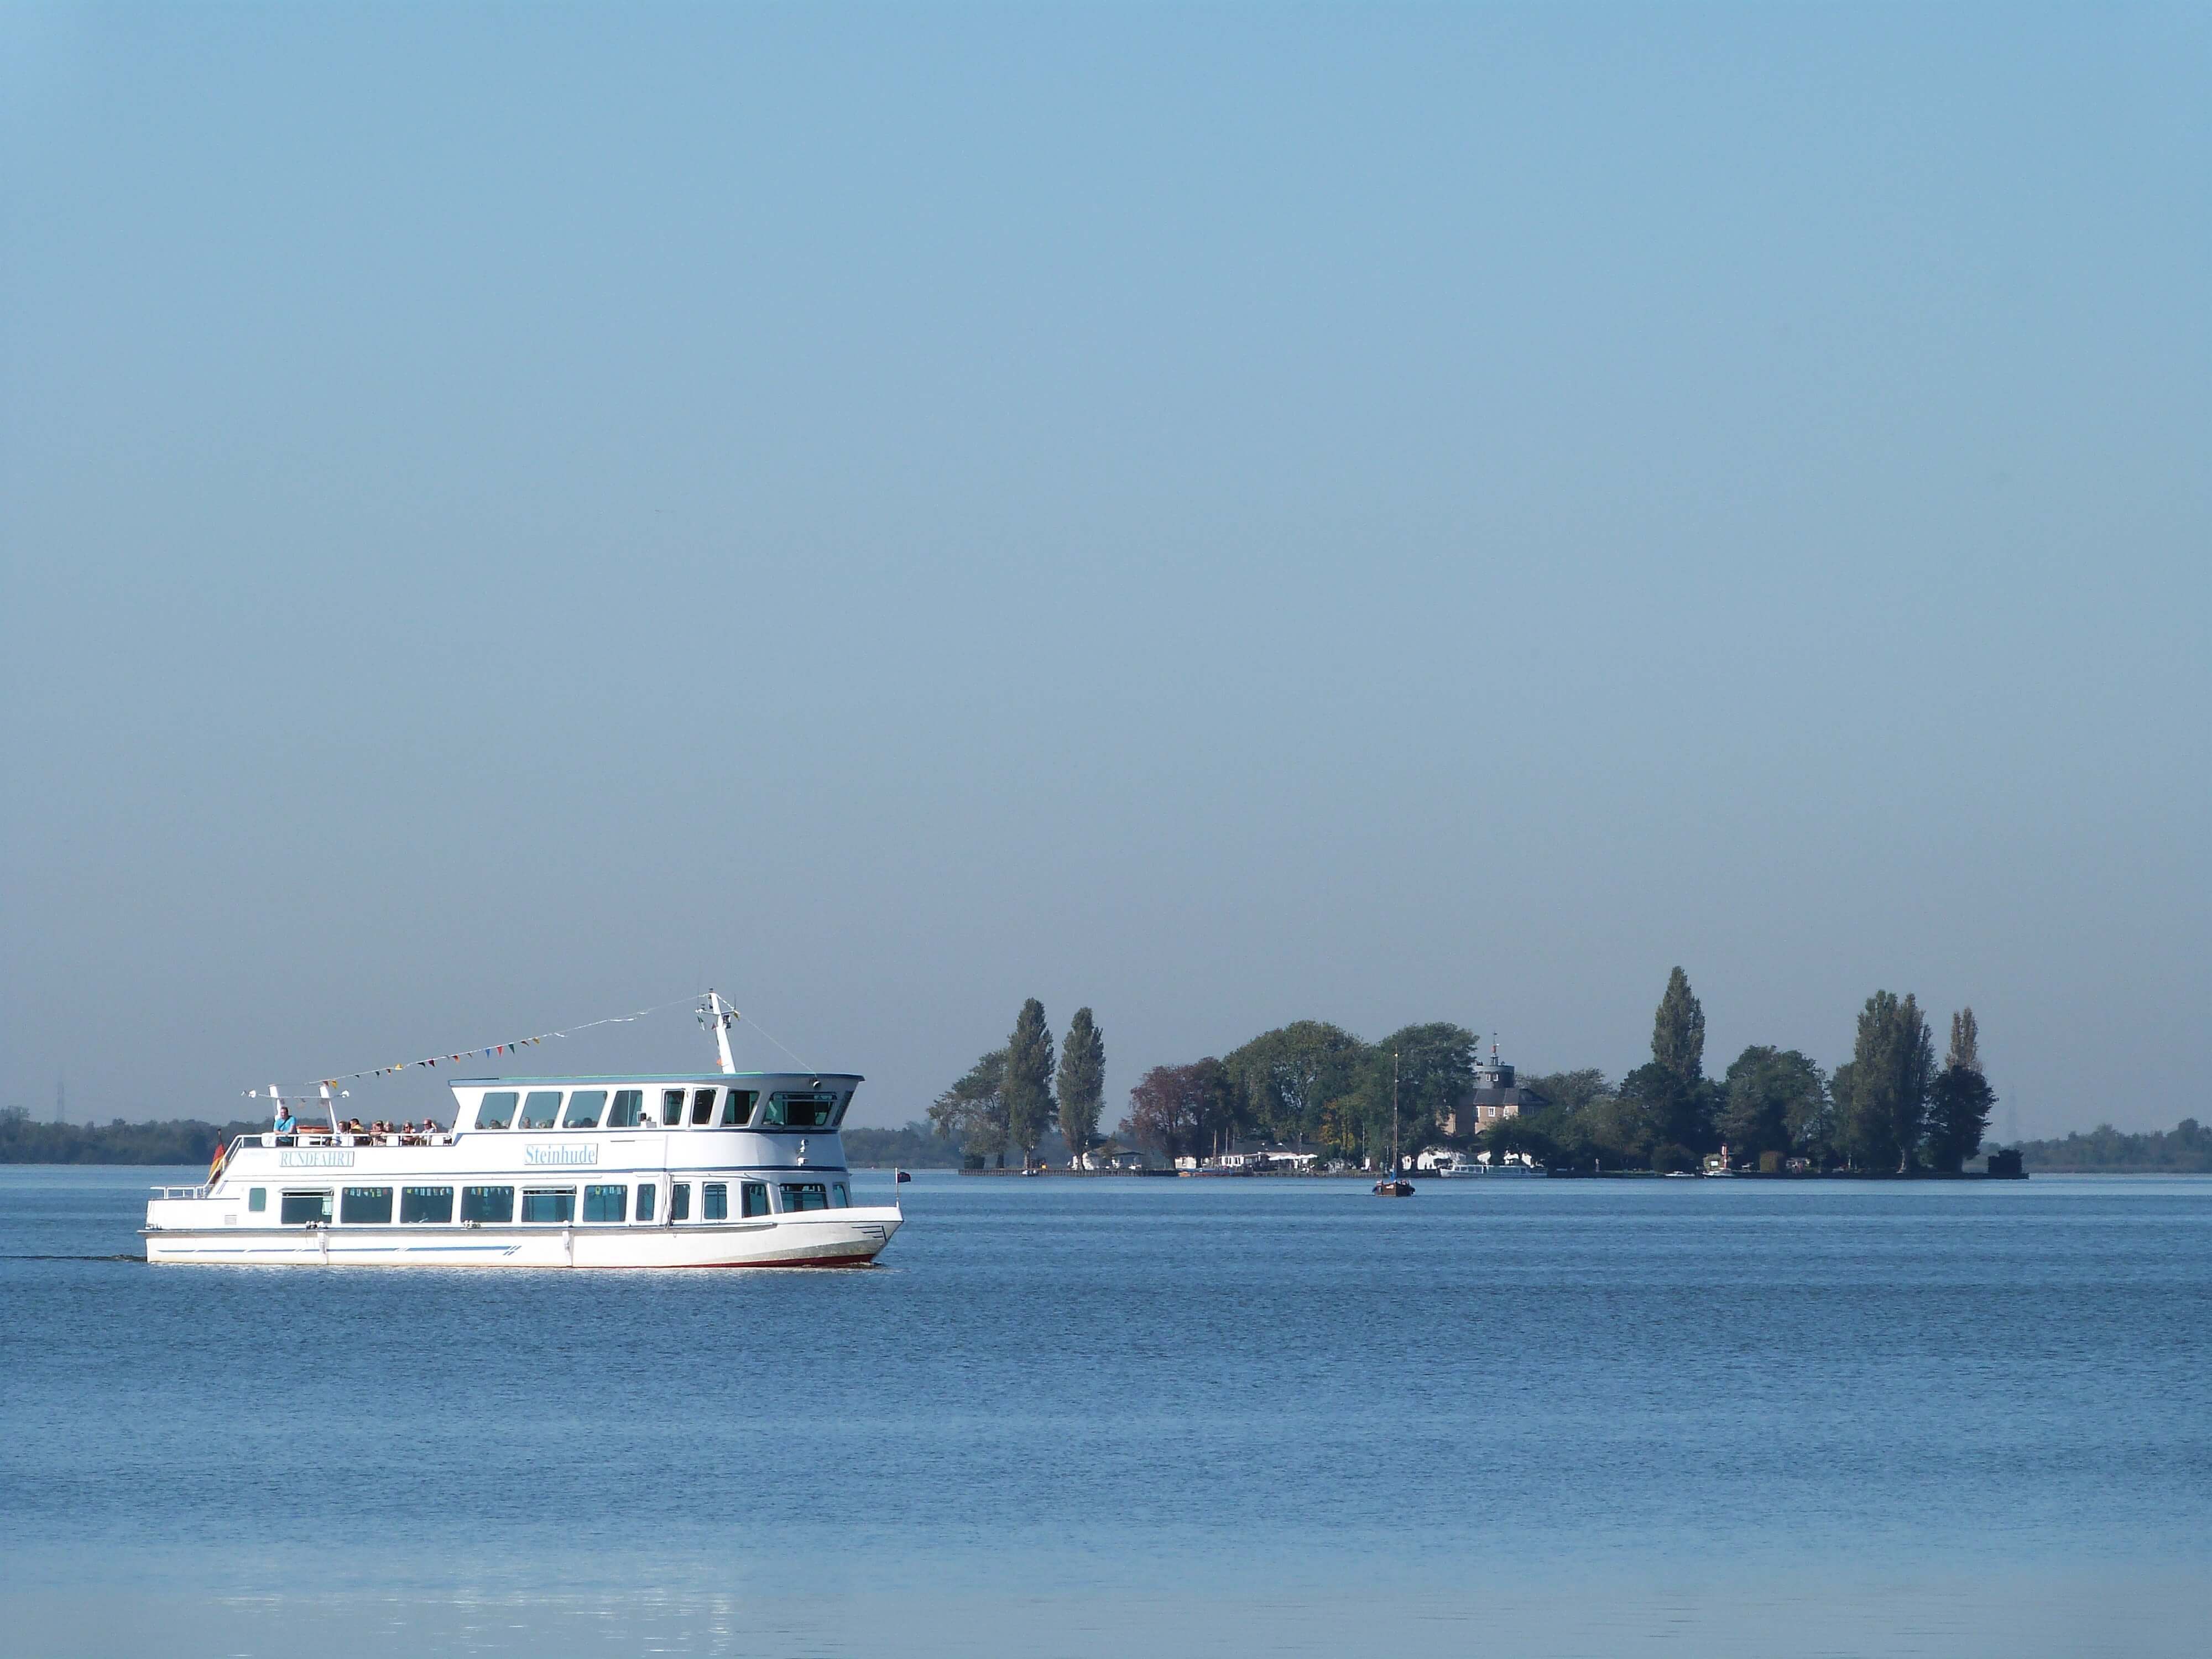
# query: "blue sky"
[[1223, 515]]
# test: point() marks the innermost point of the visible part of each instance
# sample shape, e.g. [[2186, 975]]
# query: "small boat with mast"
[[1394, 1184], [722, 1169]]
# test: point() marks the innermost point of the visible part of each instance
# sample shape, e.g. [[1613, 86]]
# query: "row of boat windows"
[[588, 1108], [608, 1204]]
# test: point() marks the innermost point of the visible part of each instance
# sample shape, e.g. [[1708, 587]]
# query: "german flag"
[[222, 1152]]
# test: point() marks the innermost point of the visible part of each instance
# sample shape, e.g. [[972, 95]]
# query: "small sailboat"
[[1394, 1184]]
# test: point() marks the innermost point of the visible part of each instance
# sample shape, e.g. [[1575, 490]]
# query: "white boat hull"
[[814, 1239]]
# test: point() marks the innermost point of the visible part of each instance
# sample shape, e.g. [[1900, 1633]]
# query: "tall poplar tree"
[[1891, 1063], [1081, 1083], [1961, 1099], [1029, 1079], [1678, 1030], [1672, 1089], [1965, 1055]]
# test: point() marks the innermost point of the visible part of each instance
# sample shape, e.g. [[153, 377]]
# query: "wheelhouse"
[[766, 1102]]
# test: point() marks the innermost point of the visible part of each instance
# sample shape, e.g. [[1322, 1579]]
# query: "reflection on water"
[[1185, 1417]]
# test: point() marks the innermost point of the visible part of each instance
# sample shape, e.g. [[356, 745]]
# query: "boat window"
[[299, 1208], [256, 1199], [738, 1109], [487, 1203], [714, 1201], [804, 1195], [628, 1110], [539, 1109], [497, 1111], [843, 1101], [426, 1204], [801, 1109], [672, 1107], [679, 1201], [606, 1203], [702, 1106], [839, 1198], [365, 1204], [549, 1204], [756, 1198], [583, 1111], [646, 1196]]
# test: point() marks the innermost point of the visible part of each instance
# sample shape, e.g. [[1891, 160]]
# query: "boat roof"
[[702, 1078]]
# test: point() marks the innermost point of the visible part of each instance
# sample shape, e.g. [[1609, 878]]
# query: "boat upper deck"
[[767, 1102]]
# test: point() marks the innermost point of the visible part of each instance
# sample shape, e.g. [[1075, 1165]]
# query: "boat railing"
[[182, 1192], [341, 1138]]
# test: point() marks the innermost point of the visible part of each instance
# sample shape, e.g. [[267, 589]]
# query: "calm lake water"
[[1159, 1417]]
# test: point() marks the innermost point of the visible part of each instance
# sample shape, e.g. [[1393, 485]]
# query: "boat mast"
[[721, 1016], [1393, 1114]]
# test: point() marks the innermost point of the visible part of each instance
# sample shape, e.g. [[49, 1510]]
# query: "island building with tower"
[[1496, 1097]]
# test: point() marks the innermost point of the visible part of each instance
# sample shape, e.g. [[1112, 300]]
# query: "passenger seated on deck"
[[430, 1126]]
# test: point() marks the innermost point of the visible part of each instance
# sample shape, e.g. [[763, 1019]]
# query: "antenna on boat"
[[718, 1014]]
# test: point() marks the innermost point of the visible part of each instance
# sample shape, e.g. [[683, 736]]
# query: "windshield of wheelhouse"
[[805, 1109]]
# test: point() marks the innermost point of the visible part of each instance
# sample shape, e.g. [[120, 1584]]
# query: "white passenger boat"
[[1457, 1166], [711, 1169]]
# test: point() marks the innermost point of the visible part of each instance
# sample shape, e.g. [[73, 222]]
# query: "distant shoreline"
[[176, 1143], [1420, 1179]]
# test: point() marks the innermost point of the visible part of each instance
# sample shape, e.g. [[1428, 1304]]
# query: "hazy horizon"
[[1219, 516]]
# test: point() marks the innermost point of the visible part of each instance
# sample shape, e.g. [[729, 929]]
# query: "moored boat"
[[1393, 1183], [704, 1170]]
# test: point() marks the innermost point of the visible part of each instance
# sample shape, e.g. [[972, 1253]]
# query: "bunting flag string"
[[497, 1048]]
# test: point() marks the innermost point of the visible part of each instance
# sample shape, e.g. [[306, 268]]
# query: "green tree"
[[1812, 1125], [972, 1113], [1564, 1111], [1435, 1066], [1566, 1091], [1678, 1030], [1519, 1134], [1768, 1092], [1677, 1111], [1615, 1130], [1029, 1079], [1183, 1110], [1881, 1119], [1080, 1086], [1285, 1080], [1844, 1096], [1960, 1101], [1672, 1091], [1965, 1052]]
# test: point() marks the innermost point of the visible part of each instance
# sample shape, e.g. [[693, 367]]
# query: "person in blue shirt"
[[285, 1124]]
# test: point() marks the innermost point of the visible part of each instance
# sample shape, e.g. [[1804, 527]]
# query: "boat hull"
[[813, 1238]]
